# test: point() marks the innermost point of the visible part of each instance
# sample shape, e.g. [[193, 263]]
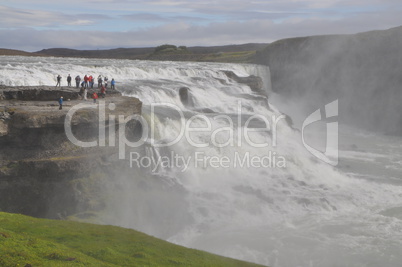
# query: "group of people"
[[87, 82]]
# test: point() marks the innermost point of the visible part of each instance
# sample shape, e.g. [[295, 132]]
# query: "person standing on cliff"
[[105, 81], [86, 81], [69, 80], [77, 80], [94, 97], [100, 81], [58, 80], [60, 103], [112, 83], [91, 81], [103, 91], [85, 92]]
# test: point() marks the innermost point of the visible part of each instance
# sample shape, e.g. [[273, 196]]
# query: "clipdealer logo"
[[198, 131], [191, 126], [330, 114]]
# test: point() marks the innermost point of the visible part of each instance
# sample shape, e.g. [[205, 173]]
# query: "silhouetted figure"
[[77, 81], [99, 81], [86, 81], [58, 81], [69, 80]]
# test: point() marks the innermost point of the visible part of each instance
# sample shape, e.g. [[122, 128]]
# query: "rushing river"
[[239, 182]]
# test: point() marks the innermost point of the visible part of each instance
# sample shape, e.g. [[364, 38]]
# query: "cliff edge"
[[362, 71], [43, 173]]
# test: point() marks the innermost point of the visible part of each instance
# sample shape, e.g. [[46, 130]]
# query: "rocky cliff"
[[44, 174], [362, 70]]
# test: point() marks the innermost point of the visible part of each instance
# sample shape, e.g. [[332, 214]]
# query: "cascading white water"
[[288, 209]]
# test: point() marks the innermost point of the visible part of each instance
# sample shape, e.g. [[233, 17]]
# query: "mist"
[[363, 71], [277, 205]]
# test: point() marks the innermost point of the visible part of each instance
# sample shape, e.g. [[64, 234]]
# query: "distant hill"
[[12, 52], [227, 53], [118, 53], [227, 48], [243, 53]]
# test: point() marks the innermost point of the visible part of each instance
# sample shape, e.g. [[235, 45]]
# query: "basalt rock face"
[[362, 71], [45, 93], [254, 82], [42, 172], [185, 96]]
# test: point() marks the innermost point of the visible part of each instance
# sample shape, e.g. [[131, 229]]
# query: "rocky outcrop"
[[254, 82], [184, 95], [44, 93], [362, 71], [44, 174], [4, 118]]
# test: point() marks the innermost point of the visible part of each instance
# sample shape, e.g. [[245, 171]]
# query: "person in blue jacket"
[[112, 83], [61, 103]]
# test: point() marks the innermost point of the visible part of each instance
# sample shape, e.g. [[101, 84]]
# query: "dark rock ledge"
[[254, 82], [41, 171], [44, 93]]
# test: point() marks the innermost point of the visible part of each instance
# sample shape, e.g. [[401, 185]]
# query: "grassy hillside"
[[12, 52], [244, 53], [27, 241]]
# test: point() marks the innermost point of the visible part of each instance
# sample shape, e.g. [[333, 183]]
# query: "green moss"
[[11, 110], [66, 158], [39, 242], [9, 168]]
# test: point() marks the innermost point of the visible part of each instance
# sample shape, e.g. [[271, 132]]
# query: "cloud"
[[146, 17], [16, 18], [11, 17], [139, 23], [80, 22], [182, 33], [156, 18]]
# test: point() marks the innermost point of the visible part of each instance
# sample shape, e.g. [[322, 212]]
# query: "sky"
[[102, 24]]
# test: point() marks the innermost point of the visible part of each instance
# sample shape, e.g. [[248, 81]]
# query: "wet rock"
[[183, 93], [38, 163], [44, 93], [254, 82]]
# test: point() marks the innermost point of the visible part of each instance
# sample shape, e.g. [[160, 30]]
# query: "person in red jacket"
[[86, 81], [94, 97], [103, 91], [91, 81]]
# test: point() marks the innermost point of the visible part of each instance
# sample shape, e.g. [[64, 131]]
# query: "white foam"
[[307, 214]]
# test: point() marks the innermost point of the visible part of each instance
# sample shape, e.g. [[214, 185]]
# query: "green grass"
[[231, 57], [27, 241], [184, 55]]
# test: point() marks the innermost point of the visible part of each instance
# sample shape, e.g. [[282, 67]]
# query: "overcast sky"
[[99, 24]]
